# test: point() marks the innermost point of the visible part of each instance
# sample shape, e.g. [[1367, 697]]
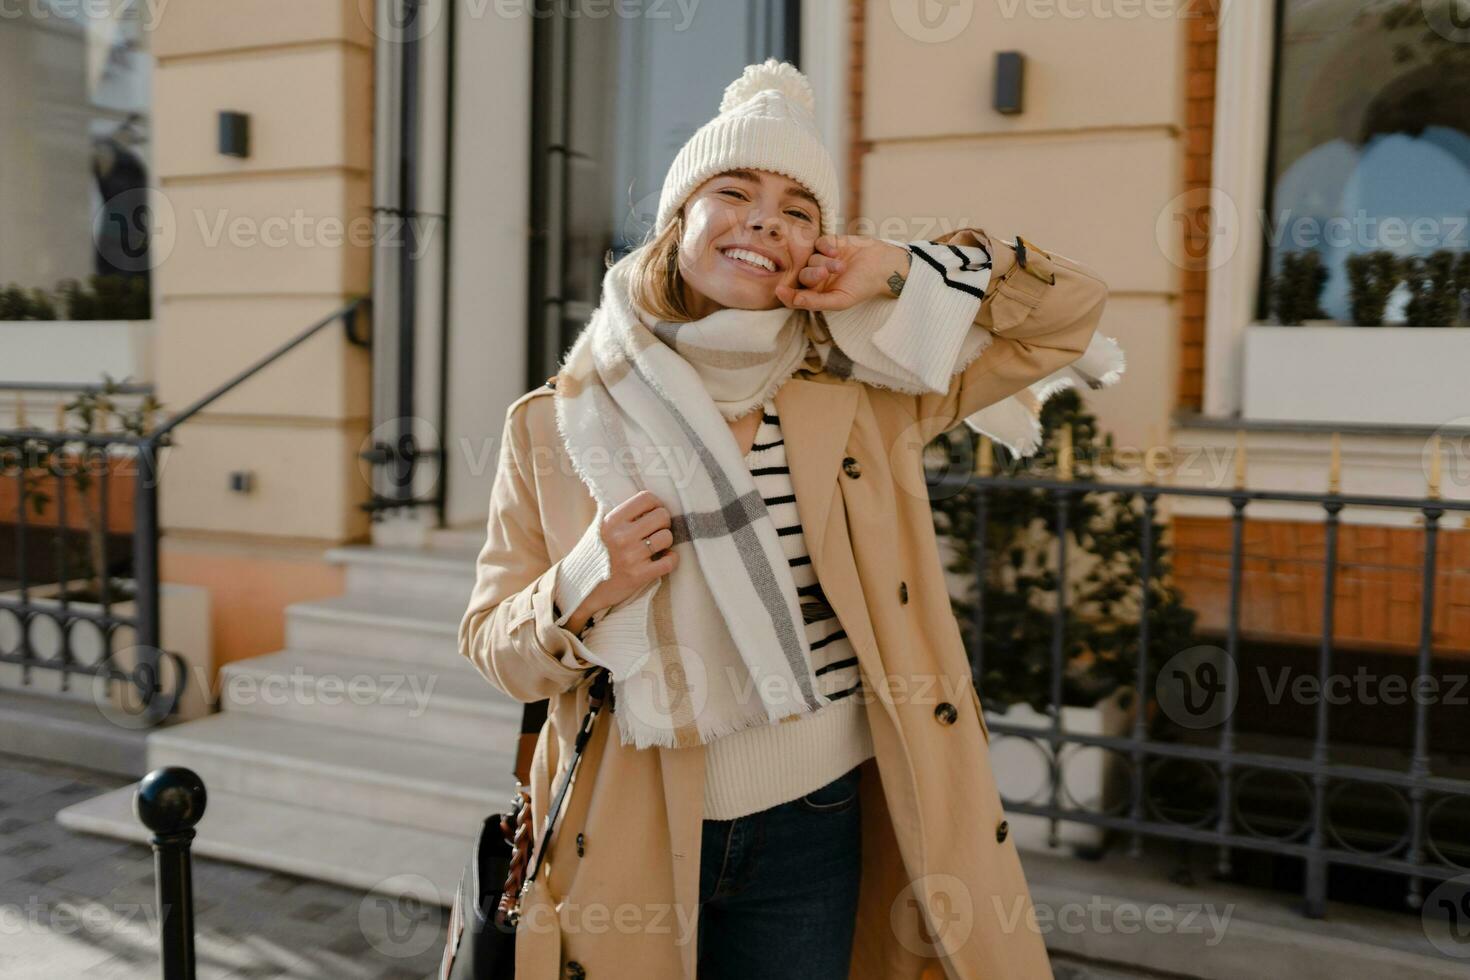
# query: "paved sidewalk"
[[78, 906]]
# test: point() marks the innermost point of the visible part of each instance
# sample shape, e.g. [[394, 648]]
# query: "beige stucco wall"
[[262, 248], [1085, 170]]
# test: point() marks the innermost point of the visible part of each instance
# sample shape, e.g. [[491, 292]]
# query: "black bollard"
[[169, 802]]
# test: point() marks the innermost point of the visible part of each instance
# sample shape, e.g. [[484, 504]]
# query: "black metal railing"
[[120, 612], [1335, 805]]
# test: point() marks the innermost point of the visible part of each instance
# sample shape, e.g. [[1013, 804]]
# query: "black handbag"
[[481, 944]]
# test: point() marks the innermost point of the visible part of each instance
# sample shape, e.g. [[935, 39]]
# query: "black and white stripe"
[[833, 659]]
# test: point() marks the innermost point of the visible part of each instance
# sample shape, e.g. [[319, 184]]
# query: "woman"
[[720, 499]]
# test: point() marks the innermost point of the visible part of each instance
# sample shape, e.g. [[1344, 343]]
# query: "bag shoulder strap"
[[594, 705]]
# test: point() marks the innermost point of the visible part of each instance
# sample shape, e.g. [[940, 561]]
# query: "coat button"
[[903, 593], [581, 844], [851, 468], [946, 713], [1002, 831], [574, 971]]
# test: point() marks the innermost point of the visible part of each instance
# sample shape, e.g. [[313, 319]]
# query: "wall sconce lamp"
[[1010, 73], [234, 134]]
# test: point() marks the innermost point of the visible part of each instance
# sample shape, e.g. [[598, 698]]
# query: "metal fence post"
[[170, 802]]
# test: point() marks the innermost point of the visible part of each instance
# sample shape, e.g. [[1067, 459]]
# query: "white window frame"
[[1247, 38], [1322, 376]]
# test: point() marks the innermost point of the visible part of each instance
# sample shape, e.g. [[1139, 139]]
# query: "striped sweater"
[[766, 765]]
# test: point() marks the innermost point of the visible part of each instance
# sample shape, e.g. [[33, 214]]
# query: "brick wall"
[[1202, 37], [856, 145], [1379, 589]]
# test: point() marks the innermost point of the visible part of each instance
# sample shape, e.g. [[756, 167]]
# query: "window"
[[1368, 211], [615, 98], [74, 161]]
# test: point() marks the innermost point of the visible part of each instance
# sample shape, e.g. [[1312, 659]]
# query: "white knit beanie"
[[766, 122]]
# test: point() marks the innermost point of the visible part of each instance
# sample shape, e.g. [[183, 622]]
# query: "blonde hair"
[[656, 285]]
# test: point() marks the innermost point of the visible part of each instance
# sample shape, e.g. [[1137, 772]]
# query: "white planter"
[[1336, 374], [1089, 774], [76, 351], [184, 614]]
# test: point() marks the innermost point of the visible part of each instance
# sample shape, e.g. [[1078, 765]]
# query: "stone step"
[[394, 860], [390, 780], [69, 730], [444, 577], [463, 540], [376, 697], [410, 630]]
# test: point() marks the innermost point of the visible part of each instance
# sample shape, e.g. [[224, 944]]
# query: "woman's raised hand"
[[844, 270], [624, 530]]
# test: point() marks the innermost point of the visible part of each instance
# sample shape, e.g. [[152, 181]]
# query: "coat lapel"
[[816, 418]]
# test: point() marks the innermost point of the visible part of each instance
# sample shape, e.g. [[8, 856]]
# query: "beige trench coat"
[[942, 890]]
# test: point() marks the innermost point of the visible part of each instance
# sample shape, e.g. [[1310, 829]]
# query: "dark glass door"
[[614, 98]]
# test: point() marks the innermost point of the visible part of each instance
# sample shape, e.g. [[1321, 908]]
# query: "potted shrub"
[[1018, 586], [111, 297], [1296, 291], [1462, 274], [184, 610], [1372, 277], [1435, 285]]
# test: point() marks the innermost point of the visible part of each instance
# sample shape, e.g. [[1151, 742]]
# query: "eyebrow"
[[796, 191]]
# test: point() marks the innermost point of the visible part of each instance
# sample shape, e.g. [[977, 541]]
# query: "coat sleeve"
[[509, 632], [1041, 318]]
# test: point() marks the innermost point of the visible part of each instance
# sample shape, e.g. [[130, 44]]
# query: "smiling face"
[[745, 233]]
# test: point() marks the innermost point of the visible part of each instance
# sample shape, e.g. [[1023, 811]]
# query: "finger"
[[648, 523], [634, 507], [658, 541], [792, 298], [818, 261], [813, 278], [835, 300], [663, 565], [828, 245]]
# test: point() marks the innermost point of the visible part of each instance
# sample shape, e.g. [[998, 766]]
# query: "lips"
[[751, 261]]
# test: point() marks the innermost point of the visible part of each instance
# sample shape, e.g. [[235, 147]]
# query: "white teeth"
[[751, 258]]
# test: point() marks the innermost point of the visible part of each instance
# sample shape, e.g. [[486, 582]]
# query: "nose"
[[762, 223]]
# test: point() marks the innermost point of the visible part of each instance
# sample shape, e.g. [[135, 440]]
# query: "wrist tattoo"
[[895, 284]]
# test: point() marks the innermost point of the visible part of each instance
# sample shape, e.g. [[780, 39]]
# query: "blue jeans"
[[778, 889]]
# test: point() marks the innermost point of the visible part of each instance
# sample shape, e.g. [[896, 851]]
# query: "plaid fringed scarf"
[[643, 404]]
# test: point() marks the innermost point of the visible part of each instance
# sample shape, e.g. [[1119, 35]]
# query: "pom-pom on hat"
[[766, 122]]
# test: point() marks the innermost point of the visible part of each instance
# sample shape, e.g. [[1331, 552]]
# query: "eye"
[[737, 193], [800, 214]]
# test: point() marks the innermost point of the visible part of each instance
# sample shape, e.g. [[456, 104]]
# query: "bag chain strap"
[[517, 825]]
